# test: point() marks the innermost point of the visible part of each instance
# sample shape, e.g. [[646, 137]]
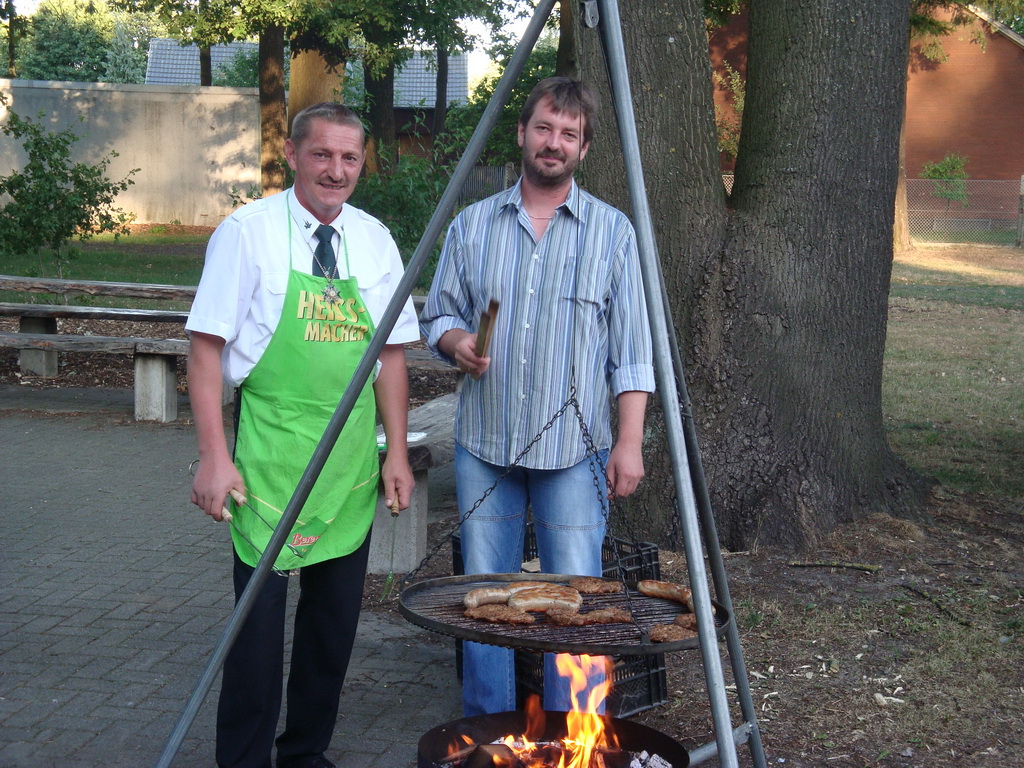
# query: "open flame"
[[586, 731]]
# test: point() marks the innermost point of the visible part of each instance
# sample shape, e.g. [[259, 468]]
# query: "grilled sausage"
[[496, 594], [668, 591], [547, 597]]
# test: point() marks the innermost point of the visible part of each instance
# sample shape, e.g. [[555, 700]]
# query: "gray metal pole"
[[1019, 241], [715, 559], [611, 35], [402, 291]]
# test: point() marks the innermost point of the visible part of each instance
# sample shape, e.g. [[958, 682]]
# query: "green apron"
[[286, 403]]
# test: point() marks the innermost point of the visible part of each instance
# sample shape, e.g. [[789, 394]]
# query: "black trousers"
[[330, 594]]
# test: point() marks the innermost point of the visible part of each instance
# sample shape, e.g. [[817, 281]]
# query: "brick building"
[[970, 104]]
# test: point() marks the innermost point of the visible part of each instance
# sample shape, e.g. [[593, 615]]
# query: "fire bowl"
[[484, 729]]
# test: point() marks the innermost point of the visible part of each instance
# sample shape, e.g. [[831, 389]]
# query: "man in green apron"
[[291, 290]]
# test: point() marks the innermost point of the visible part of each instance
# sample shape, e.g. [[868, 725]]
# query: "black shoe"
[[316, 761]]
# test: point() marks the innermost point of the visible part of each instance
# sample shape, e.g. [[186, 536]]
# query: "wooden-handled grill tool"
[[227, 517], [486, 328], [389, 582], [241, 501]]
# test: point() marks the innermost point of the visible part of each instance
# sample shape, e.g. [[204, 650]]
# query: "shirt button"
[[522, 362], [536, 256], [522, 397], [527, 325], [532, 291]]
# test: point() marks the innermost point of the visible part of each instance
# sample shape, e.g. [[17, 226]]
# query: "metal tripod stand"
[[693, 506]]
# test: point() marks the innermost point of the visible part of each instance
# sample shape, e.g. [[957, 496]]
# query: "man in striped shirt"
[[571, 323]]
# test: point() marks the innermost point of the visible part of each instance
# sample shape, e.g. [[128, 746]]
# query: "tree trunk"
[[311, 81], [566, 63], [273, 114], [205, 66], [12, 38], [780, 302], [901, 223], [382, 144], [441, 93]]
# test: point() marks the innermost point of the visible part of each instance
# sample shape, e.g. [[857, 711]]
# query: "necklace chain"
[[540, 218], [323, 269]]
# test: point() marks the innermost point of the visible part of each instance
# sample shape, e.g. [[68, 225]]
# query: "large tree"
[[439, 29], [68, 40], [779, 291]]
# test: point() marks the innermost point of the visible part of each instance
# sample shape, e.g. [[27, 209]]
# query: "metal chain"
[[515, 463]]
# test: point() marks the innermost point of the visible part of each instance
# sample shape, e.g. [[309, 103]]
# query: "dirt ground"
[[894, 645]]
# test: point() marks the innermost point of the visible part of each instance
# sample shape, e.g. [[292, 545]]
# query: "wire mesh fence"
[[968, 211], [484, 181]]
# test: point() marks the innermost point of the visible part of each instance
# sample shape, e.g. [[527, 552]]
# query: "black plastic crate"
[[639, 683]]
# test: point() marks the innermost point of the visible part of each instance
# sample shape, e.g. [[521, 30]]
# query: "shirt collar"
[[307, 223], [573, 203]]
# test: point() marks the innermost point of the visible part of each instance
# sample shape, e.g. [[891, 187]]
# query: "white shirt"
[[241, 292]]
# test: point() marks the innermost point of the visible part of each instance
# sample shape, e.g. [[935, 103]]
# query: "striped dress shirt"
[[571, 312]]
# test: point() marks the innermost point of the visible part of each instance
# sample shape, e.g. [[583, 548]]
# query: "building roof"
[[171, 63]]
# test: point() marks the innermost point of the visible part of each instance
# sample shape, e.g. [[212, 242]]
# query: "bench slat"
[[97, 288], [55, 342], [104, 288], [93, 313]]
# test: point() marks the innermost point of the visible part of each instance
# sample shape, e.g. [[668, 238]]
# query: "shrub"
[[404, 197], [949, 176], [53, 200]]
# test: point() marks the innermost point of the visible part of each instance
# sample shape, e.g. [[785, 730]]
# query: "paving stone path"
[[113, 593]]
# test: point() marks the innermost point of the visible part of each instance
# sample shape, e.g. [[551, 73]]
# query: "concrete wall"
[[191, 144]]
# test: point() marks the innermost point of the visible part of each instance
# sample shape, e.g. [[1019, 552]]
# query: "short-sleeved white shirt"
[[241, 293]]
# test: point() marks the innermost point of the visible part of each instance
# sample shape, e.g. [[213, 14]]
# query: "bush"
[[52, 200], [501, 146], [404, 197], [949, 176]]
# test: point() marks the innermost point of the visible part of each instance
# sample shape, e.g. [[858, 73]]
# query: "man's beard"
[[540, 176]]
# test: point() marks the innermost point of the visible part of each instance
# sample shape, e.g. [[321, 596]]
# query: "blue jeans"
[[569, 521]]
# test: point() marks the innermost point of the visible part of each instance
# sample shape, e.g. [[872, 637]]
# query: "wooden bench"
[[156, 395]]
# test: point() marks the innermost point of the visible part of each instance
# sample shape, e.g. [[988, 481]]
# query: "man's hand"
[[214, 480], [392, 392], [625, 470], [216, 474], [460, 345], [397, 481], [626, 461]]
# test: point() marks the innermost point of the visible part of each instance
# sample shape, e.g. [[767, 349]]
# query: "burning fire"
[[586, 732]]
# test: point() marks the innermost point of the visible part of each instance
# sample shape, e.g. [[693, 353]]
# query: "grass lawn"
[[954, 369], [153, 256]]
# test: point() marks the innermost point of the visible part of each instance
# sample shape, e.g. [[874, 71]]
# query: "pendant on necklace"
[[330, 294]]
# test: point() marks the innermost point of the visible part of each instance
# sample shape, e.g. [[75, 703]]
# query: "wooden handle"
[[486, 328], [394, 507], [239, 499]]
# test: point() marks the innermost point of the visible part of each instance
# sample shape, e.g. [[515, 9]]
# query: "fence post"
[[1020, 216]]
